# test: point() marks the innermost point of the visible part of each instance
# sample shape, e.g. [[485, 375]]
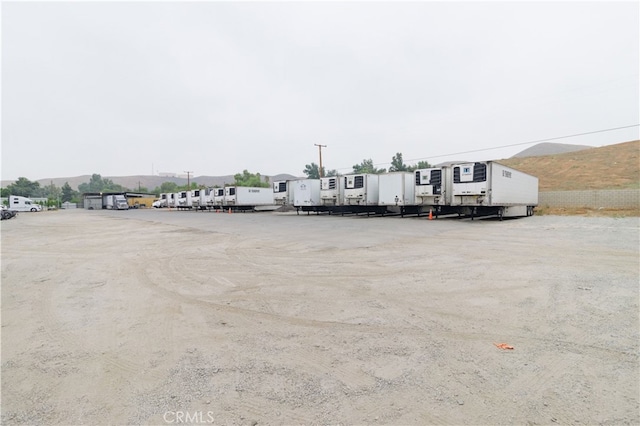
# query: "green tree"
[[367, 167], [68, 193], [397, 165], [98, 184], [53, 194], [51, 191], [95, 184], [24, 187], [312, 171], [110, 186], [166, 188], [249, 179], [421, 165]]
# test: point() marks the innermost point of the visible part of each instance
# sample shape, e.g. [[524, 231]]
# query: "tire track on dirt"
[[71, 341], [251, 316]]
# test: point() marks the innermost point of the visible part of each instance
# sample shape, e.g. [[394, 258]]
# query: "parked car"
[[7, 213]]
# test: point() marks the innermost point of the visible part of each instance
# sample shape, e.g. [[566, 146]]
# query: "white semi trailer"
[[361, 194], [203, 198], [281, 193], [396, 192], [217, 198], [490, 188], [184, 200], [331, 192], [433, 190], [248, 198], [172, 198], [305, 195]]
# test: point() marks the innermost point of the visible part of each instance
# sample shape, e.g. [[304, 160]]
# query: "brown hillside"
[[608, 167]]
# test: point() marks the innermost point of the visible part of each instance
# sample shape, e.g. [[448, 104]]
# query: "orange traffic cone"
[[430, 214], [229, 210]]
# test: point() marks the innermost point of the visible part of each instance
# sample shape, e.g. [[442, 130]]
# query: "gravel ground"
[[163, 317]]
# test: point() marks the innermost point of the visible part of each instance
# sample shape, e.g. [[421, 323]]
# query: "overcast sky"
[[129, 88]]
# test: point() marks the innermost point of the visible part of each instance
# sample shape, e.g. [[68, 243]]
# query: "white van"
[[23, 204]]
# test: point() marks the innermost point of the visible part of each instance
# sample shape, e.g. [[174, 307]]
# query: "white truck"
[[396, 192], [114, 202], [490, 188], [248, 198], [23, 204]]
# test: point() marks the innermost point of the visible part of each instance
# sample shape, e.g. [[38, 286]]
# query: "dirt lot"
[[165, 317]]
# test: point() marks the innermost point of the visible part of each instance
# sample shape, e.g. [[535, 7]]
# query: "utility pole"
[[320, 152], [188, 181]]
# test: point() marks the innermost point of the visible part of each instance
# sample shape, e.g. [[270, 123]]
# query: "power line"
[[514, 144], [527, 143]]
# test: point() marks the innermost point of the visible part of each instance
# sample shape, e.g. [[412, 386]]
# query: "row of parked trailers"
[[469, 189]]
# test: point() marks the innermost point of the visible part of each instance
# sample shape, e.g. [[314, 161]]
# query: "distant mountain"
[[549, 149], [149, 182]]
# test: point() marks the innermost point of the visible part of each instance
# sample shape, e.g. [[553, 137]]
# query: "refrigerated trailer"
[[305, 195], [433, 190], [361, 194], [331, 192], [490, 188], [281, 193], [172, 198], [203, 195], [248, 198], [216, 198], [184, 200], [396, 192]]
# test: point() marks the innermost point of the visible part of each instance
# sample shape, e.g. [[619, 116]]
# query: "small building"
[[95, 200], [92, 201]]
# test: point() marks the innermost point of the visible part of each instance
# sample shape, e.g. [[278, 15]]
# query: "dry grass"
[[587, 212], [608, 167]]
